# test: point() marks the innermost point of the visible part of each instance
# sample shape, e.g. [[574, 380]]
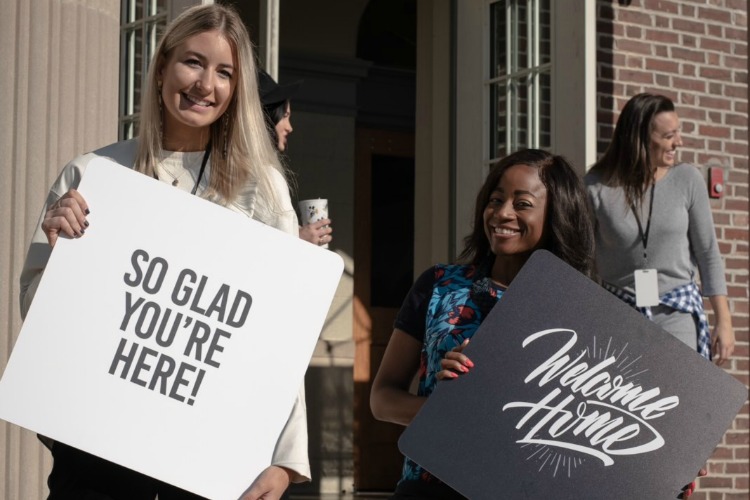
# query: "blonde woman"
[[202, 131]]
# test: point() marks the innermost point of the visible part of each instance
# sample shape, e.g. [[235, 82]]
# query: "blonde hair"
[[240, 131]]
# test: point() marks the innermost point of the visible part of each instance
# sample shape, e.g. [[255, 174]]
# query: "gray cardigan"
[[682, 233]]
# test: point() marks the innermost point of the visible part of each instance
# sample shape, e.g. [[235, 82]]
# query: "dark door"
[[384, 259]]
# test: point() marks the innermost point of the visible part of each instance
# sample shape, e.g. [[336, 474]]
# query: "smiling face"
[[515, 214], [197, 83], [284, 127], [665, 139]]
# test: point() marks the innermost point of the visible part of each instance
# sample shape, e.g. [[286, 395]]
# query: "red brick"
[[732, 496], [731, 33], [734, 119], [634, 46], [734, 438], [662, 36], [687, 54], [634, 62], [635, 76], [735, 62], [716, 45], [715, 482], [634, 17], [662, 6], [736, 4], [736, 149], [742, 423], [689, 26], [741, 483], [633, 32], [663, 80], [687, 10], [714, 103], [720, 15], [714, 73], [713, 131], [689, 41], [662, 66], [715, 30], [722, 452]]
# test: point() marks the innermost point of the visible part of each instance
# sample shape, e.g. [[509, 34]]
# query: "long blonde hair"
[[240, 131]]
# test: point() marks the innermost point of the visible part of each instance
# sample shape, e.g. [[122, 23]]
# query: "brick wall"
[[696, 53]]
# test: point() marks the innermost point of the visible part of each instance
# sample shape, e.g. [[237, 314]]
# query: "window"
[[141, 24], [520, 76]]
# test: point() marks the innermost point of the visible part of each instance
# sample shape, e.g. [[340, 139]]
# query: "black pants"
[[77, 475]]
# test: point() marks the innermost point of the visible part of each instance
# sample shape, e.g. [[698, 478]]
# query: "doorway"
[[384, 253]]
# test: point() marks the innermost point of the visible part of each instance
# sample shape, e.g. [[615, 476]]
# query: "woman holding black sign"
[[654, 224], [530, 200], [202, 131]]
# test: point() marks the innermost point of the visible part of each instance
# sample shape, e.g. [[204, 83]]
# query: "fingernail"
[[463, 368], [83, 231], [86, 223], [452, 374], [469, 363], [87, 211]]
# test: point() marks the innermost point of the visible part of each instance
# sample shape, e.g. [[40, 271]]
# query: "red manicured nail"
[[469, 363]]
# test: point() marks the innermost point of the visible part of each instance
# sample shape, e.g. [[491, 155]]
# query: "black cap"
[[271, 92]]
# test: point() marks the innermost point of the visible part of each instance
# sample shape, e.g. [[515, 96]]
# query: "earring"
[[226, 134], [161, 109]]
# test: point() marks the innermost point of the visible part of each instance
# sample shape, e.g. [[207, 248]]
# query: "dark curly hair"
[[568, 225]]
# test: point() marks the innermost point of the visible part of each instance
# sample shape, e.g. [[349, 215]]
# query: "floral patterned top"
[[445, 306]]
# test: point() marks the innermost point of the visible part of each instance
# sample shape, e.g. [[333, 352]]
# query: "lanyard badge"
[[646, 280]]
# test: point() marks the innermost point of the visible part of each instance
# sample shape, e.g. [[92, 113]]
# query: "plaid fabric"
[[685, 298]]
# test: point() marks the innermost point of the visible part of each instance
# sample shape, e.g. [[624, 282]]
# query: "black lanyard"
[[200, 173], [644, 236]]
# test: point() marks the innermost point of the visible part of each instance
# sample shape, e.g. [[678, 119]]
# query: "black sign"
[[573, 394]]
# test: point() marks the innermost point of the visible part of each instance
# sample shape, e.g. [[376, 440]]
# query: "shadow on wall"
[[330, 419]]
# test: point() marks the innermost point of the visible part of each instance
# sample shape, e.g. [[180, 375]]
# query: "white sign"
[[172, 338]]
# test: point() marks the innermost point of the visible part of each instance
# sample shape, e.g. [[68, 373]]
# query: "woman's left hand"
[[317, 233], [269, 485], [722, 340], [722, 343], [455, 363], [688, 489]]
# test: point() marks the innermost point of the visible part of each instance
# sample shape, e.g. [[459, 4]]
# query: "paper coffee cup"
[[313, 210]]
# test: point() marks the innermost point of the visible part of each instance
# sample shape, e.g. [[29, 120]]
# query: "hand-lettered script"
[[588, 410]]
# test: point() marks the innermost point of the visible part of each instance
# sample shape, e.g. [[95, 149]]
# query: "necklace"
[[176, 178]]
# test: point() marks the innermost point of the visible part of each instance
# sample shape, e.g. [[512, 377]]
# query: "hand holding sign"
[[159, 361], [572, 393], [66, 216]]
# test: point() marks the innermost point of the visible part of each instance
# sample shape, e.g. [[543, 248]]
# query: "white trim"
[[268, 32], [574, 81]]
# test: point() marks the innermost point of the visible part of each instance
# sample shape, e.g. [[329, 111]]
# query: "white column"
[[60, 65], [269, 36]]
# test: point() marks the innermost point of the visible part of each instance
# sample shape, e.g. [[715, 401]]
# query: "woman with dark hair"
[[530, 200], [654, 224], [277, 112]]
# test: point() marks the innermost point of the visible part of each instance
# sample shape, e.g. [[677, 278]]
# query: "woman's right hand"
[[66, 216], [455, 363]]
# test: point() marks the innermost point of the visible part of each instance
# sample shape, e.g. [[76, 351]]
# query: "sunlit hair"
[[627, 161], [250, 153], [568, 228]]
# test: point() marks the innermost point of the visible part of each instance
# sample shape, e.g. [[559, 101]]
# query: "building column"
[[59, 67]]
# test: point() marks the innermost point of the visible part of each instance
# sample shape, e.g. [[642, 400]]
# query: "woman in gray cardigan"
[[654, 226]]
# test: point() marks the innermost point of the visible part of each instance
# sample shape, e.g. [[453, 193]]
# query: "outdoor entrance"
[[384, 253]]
